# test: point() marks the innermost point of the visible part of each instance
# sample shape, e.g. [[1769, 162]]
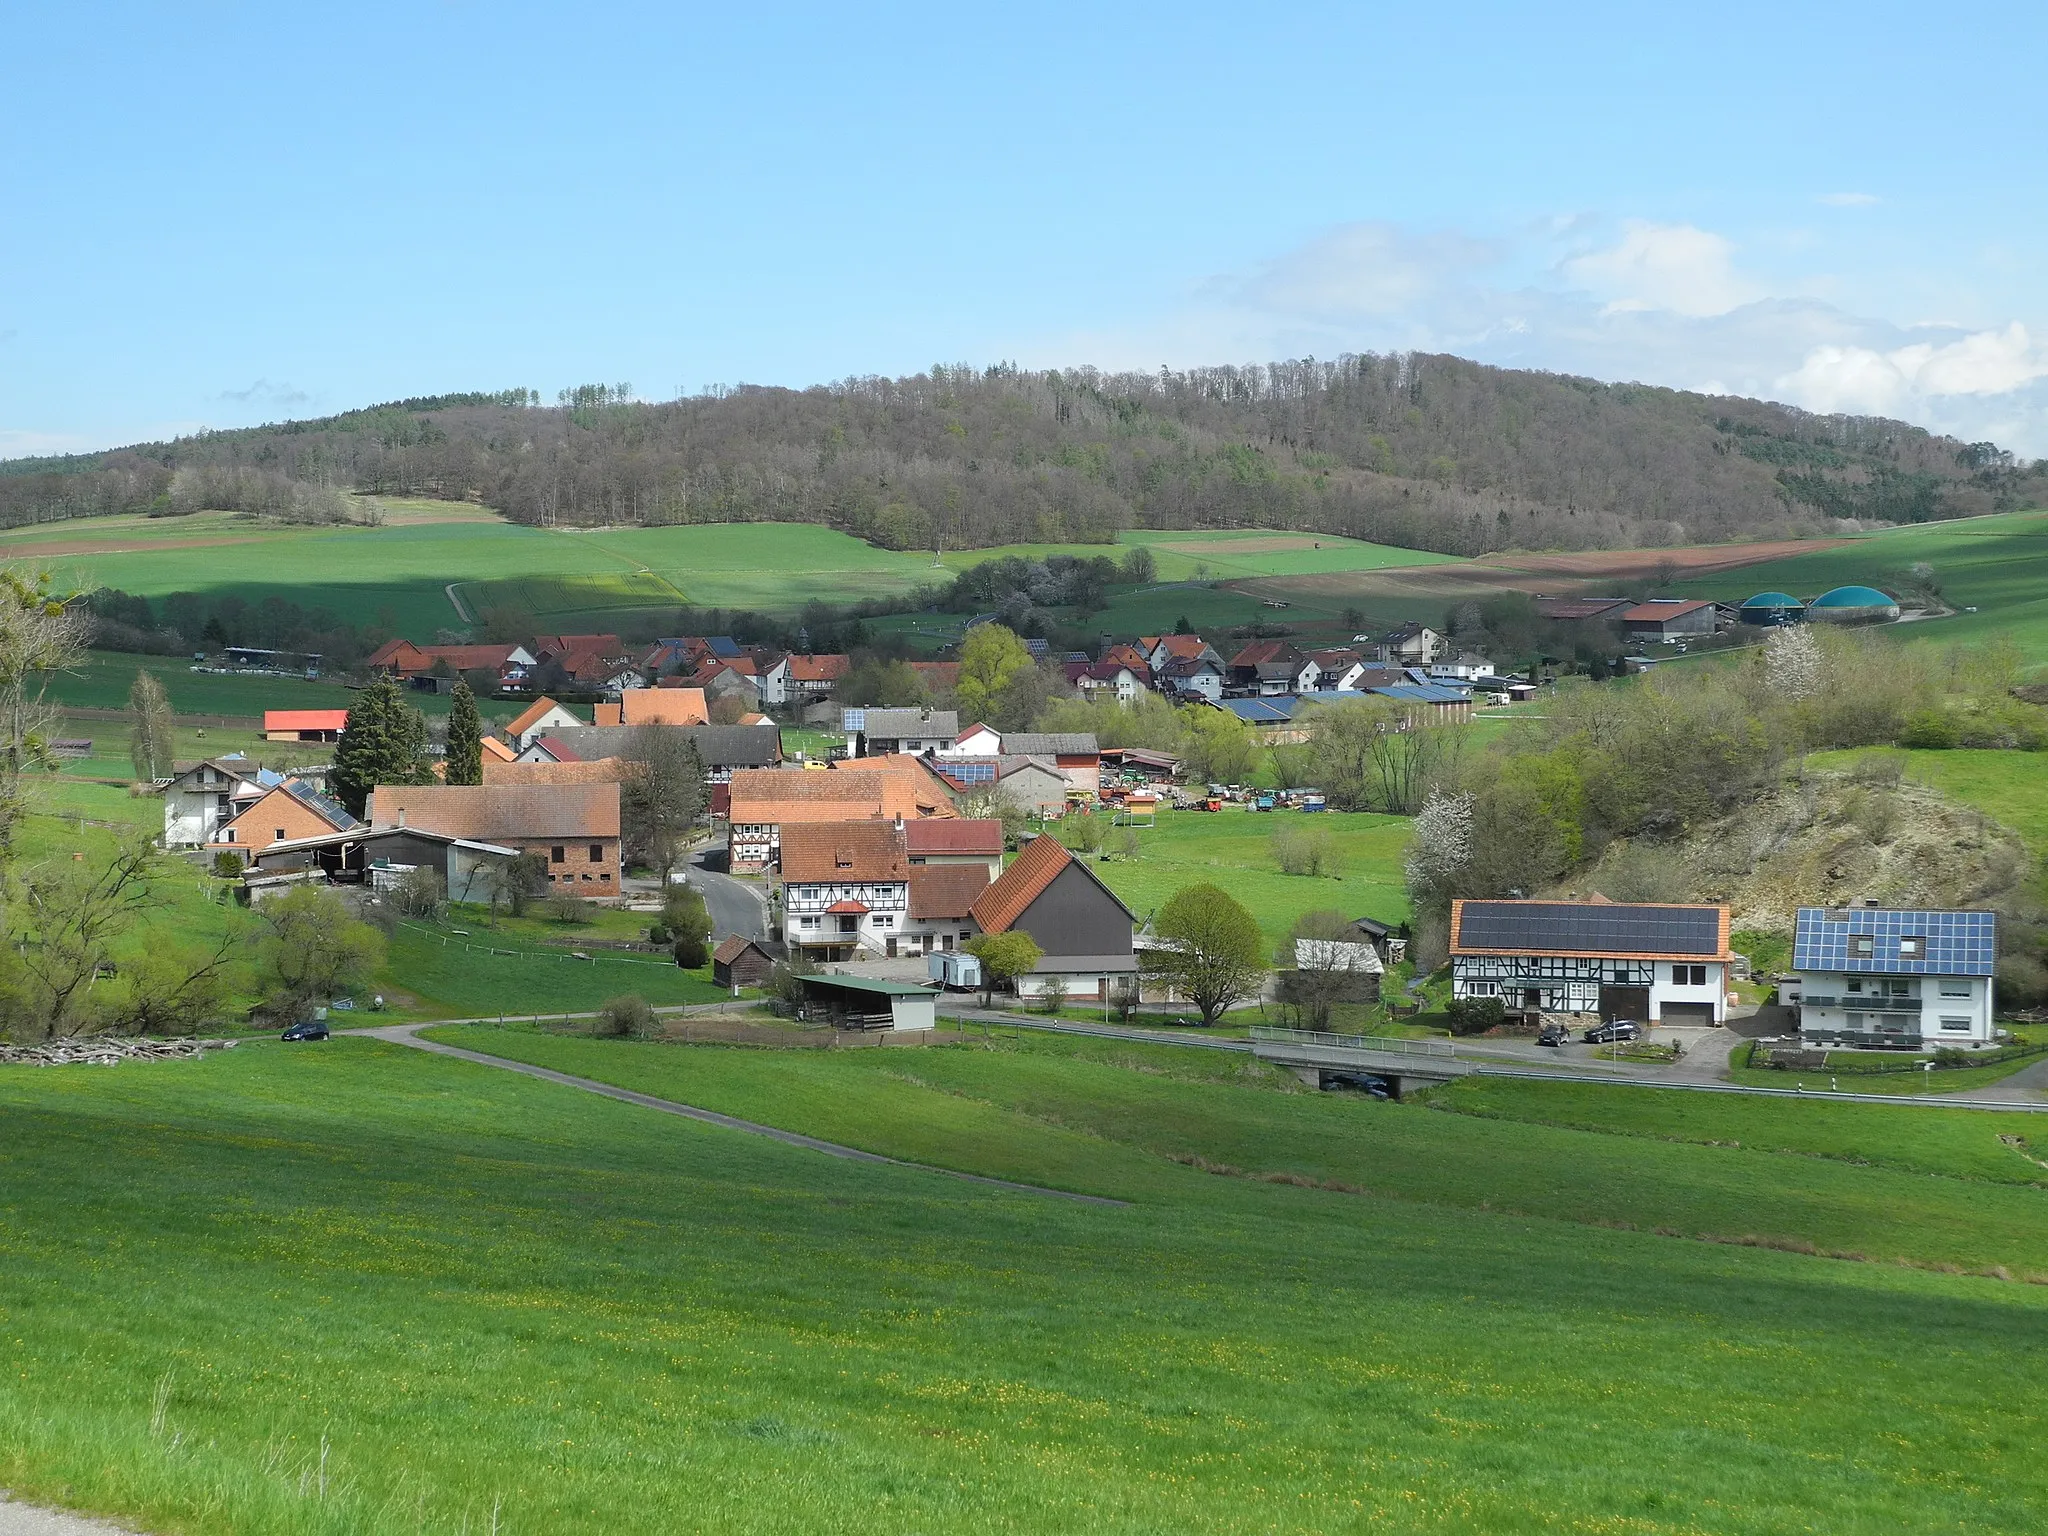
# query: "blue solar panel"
[[1893, 942]]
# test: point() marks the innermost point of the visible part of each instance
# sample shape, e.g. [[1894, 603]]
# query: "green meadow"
[[352, 1288], [1233, 848]]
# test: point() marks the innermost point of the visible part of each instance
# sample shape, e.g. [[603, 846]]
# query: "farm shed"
[[741, 962], [862, 1002]]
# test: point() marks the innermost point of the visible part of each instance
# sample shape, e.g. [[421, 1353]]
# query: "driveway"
[[736, 906]]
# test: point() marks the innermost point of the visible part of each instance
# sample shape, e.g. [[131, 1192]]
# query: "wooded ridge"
[[1429, 452]]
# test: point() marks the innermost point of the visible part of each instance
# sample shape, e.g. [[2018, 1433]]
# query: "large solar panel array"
[[1953, 943], [1579, 928]]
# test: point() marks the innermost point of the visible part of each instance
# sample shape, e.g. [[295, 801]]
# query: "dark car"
[[307, 1029], [1360, 1082], [1553, 1034], [1611, 1033]]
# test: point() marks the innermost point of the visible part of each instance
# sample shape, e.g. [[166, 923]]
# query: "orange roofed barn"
[[656, 706], [764, 800], [575, 827], [304, 724]]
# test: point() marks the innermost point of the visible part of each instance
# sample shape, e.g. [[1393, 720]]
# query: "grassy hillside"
[[353, 1288]]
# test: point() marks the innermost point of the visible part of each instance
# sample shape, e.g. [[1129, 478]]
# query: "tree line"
[[1425, 451]]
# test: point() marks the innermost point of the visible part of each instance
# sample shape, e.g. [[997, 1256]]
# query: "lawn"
[[353, 1288], [475, 973], [102, 680], [1233, 848], [2009, 787]]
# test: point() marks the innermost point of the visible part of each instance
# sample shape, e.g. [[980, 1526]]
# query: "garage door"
[[1625, 1003], [1688, 1013]]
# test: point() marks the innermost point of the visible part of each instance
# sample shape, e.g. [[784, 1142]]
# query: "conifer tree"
[[465, 738], [385, 742]]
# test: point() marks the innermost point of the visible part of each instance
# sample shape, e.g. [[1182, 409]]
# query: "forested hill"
[[1426, 451]]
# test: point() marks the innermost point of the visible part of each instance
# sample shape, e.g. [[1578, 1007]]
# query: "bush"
[[628, 1015], [658, 934], [1476, 1015], [690, 953], [227, 865], [566, 909], [1930, 729], [1951, 1056], [1053, 997], [1304, 850], [420, 892]]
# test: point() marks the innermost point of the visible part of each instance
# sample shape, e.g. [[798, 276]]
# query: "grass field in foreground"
[[1233, 848], [353, 1288], [477, 973]]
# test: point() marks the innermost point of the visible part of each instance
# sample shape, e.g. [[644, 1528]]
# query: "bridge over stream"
[[1314, 1057]]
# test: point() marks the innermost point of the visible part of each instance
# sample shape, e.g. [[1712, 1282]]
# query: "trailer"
[[954, 969]]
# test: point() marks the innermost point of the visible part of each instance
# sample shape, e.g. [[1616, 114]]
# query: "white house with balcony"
[[1893, 978], [846, 890]]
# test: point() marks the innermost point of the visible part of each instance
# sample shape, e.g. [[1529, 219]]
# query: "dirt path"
[[408, 1034], [27, 1520]]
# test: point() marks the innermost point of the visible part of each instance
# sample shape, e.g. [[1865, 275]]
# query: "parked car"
[[306, 1029], [1360, 1082], [1553, 1034], [1613, 1032]]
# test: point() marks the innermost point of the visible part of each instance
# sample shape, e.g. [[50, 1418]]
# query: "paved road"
[[736, 906], [408, 1034], [27, 1520]]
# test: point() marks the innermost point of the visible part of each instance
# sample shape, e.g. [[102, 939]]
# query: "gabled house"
[[742, 962], [291, 810], [802, 679], [1416, 645], [201, 799], [656, 706], [1886, 977], [1122, 653], [723, 748], [575, 827], [1660, 963], [882, 732], [539, 718], [420, 664], [845, 888], [1075, 753], [1465, 667], [1161, 649], [977, 740], [942, 898], [1335, 671], [967, 840], [1191, 677], [762, 802], [1082, 928], [1093, 679], [1249, 666]]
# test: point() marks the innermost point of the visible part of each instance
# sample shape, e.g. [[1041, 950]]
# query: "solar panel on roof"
[[1582, 928]]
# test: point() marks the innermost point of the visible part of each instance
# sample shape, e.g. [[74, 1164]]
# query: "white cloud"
[[1851, 378], [1673, 267], [264, 392], [1849, 199]]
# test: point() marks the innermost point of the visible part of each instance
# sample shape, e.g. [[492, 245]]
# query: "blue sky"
[[223, 213]]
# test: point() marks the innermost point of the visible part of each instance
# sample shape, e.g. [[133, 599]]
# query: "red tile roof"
[[819, 669], [501, 812], [530, 715], [827, 852], [1036, 866], [305, 719], [946, 890], [962, 836], [1650, 613]]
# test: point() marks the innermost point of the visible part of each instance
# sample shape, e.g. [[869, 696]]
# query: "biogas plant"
[[1842, 605]]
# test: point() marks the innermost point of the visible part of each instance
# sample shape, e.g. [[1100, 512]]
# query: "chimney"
[[1872, 901], [1102, 649], [401, 815], [899, 823]]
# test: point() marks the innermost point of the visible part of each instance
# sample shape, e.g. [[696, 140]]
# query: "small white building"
[[1662, 963], [200, 800], [1463, 668], [1890, 977]]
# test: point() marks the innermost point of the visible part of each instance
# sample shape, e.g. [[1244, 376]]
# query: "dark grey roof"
[[895, 724], [1952, 943], [1049, 743], [1586, 928], [721, 746]]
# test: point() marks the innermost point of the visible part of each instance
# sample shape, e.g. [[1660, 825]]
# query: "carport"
[[863, 1002]]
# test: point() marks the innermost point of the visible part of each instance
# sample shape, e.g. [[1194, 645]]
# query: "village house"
[[762, 801], [1887, 977], [575, 827], [803, 679], [1415, 645], [304, 724], [1093, 679], [201, 799], [1083, 930], [1262, 661], [1336, 671], [976, 741], [722, 748], [1660, 963], [1465, 667], [1075, 753], [293, 809], [1161, 649], [845, 889], [421, 665], [874, 732], [537, 719], [1191, 677], [942, 898], [656, 706], [965, 840]]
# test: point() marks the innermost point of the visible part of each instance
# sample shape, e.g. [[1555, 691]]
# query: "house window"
[[883, 920], [1861, 945], [1952, 1025], [279, 834], [1912, 946], [558, 855], [1957, 986], [228, 836], [807, 922], [1688, 975], [597, 853]]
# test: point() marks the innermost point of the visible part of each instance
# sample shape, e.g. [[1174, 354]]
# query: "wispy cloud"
[[1850, 199], [264, 392]]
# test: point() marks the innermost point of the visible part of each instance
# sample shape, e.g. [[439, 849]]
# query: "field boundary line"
[[1922, 1100], [407, 1034]]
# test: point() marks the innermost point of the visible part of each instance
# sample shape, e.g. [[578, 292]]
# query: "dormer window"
[[1861, 945], [1913, 946]]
